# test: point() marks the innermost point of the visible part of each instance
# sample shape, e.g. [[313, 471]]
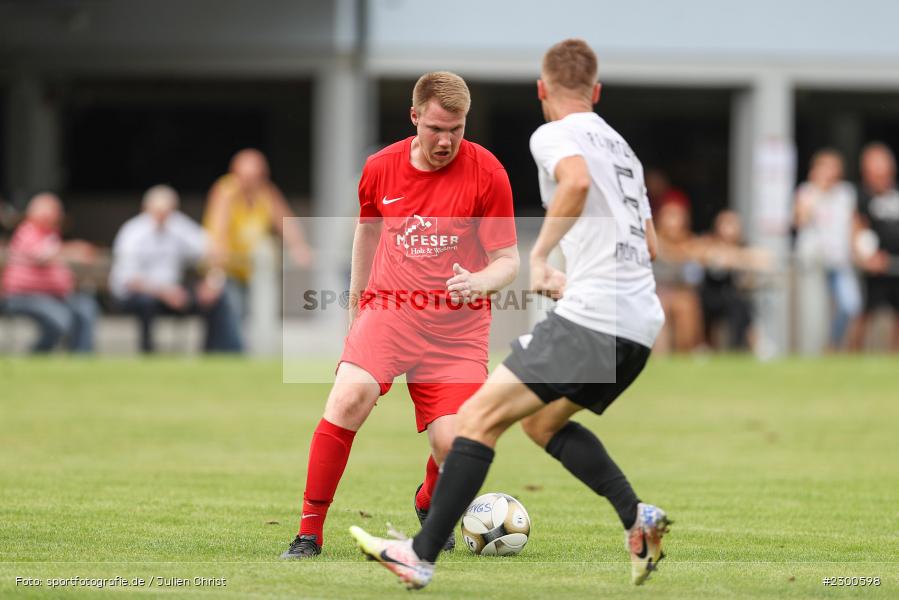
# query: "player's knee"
[[466, 418], [481, 420], [441, 447], [347, 406], [538, 430]]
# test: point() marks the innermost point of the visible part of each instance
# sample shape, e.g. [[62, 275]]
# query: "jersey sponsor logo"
[[626, 252], [385, 200], [421, 237], [614, 146]]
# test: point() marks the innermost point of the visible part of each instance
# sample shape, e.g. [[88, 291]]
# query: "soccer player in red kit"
[[435, 236]]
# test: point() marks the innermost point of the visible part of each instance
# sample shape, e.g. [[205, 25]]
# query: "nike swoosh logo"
[[309, 515], [386, 558], [642, 553], [384, 200]]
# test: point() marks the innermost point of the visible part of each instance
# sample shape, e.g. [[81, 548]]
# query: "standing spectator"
[[151, 255], [39, 284], [243, 207], [662, 192], [678, 272], [879, 221], [824, 212], [722, 292]]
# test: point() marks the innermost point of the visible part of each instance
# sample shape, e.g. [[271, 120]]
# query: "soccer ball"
[[496, 525]]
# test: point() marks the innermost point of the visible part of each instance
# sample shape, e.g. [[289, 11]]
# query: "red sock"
[[328, 456], [432, 472]]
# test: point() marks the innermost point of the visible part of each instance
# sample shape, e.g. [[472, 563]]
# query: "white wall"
[[714, 29]]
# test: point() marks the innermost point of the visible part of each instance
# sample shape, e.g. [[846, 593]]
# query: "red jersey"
[[432, 219], [25, 272]]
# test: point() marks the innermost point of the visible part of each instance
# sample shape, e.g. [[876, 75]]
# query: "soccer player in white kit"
[[588, 350]]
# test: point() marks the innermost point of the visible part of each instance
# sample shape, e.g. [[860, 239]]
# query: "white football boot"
[[644, 541], [397, 556]]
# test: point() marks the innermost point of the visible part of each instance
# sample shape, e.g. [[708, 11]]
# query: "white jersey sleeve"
[[549, 145]]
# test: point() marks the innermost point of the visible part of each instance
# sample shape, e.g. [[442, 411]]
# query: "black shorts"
[[562, 359], [881, 291]]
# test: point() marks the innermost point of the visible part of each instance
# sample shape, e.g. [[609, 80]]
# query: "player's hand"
[[208, 292], [547, 280], [175, 297], [877, 263], [79, 251], [463, 286]]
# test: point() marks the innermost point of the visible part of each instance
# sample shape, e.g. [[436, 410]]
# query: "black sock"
[[463, 474], [584, 456]]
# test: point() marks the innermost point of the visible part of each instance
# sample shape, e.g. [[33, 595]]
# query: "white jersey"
[[610, 287]]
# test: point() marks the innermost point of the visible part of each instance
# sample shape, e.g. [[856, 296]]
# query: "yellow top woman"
[[244, 206]]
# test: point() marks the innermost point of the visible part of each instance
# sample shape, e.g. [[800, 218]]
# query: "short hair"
[[160, 195], [877, 147], [571, 64], [43, 198], [826, 152], [450, 91]]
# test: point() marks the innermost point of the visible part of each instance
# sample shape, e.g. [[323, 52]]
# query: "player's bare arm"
[[219, 204], [652, 240], [567, 205], [499, 272], [365, 242]]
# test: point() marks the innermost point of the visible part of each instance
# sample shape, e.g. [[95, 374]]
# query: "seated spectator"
[[151, 256], [39, 284], [722, 293], [824, 213], [677, 273]]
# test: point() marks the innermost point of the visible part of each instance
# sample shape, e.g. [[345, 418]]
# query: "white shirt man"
[[155, 255], [151, 255]]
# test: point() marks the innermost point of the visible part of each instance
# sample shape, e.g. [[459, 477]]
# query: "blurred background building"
[[101, 99]]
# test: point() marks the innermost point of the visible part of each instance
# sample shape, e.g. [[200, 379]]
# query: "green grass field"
[[777, 475]]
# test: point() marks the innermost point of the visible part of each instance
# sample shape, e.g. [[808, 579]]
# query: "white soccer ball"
[[496, 525]]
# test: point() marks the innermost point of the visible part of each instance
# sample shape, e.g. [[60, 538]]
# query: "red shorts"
[[442, 372]]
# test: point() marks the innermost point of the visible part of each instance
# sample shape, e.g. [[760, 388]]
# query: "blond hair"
[[571, 64], [450, 91]]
